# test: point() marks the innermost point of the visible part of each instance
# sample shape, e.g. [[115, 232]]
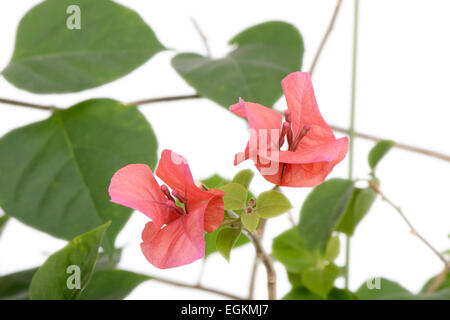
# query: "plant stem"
[[198, 287], [325, 37], [25, 104], [375, 187], [163, 99], [260, 234], [352, 129], [265, 258]]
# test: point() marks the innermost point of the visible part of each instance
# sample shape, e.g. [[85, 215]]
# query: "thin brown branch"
[[325, 37], [202, 36], [265, 258], [398, 145], [251, 289], [25, 104], [375, 187], [438, 281], [163, 99], [197, 287]]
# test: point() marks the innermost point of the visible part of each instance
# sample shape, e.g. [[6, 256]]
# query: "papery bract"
[[312, 151], [175, 235]]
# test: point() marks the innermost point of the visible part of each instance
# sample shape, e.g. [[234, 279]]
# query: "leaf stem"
[[25, 104], [265, 258], [352, 129]]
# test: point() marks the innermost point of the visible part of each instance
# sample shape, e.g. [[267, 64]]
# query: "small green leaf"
[[322, 210], [51, 58], [244, 177], [264, 55], [270, 204], [51, 281], [210, 241], [250, 220], [235, 196], [320, 281], [332, 249], [379, 151], [360, 204], [290, 250], [215, 182], [54, 174], [112, 285], [225, 241], [383, 290]]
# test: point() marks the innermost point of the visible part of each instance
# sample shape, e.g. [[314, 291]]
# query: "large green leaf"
[[265, 54], [290, 250], [54, 174], [112, 285], [322, 210], [235, 196], [387, 290], [360, 204], [15, 286], [3, 221], [51, 281], [50, 58]]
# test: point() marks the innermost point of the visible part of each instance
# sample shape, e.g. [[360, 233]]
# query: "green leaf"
[[320, 281], [50, 58], [54, 174], [112, 285], [264, 55], [379, 151], [290, 250], [444, 284], [270, 204], [244, 177], [332, 249], [226, 239], [250, 220], [15, 286], [51, 281], [3, 220], [210, 241], [215, 182], [235, 196], [360, 204], [302, 293], [388, 290], [322, 210]]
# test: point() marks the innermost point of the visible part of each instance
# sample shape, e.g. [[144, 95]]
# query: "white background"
[[403, 94]]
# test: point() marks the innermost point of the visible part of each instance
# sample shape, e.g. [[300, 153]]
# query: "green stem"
[[352, 127]]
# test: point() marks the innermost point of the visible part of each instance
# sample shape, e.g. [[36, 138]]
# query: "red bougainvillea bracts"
[[312, 150], [175, 236]]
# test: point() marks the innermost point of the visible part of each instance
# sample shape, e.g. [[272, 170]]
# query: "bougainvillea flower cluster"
[[302, 148], [179, 219]]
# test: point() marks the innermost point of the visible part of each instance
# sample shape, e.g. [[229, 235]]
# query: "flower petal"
[[174, 170], [301, 101], [214, 212], [134, 186], [180, 242], [259, 117]]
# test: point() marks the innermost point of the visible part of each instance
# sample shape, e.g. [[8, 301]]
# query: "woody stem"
[[375, 187], [265, 258]]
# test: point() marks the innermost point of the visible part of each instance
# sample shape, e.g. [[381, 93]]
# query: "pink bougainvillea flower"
[[175, 235], [302, 150]]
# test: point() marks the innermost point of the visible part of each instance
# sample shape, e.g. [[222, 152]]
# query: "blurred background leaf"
[[50, 58]]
